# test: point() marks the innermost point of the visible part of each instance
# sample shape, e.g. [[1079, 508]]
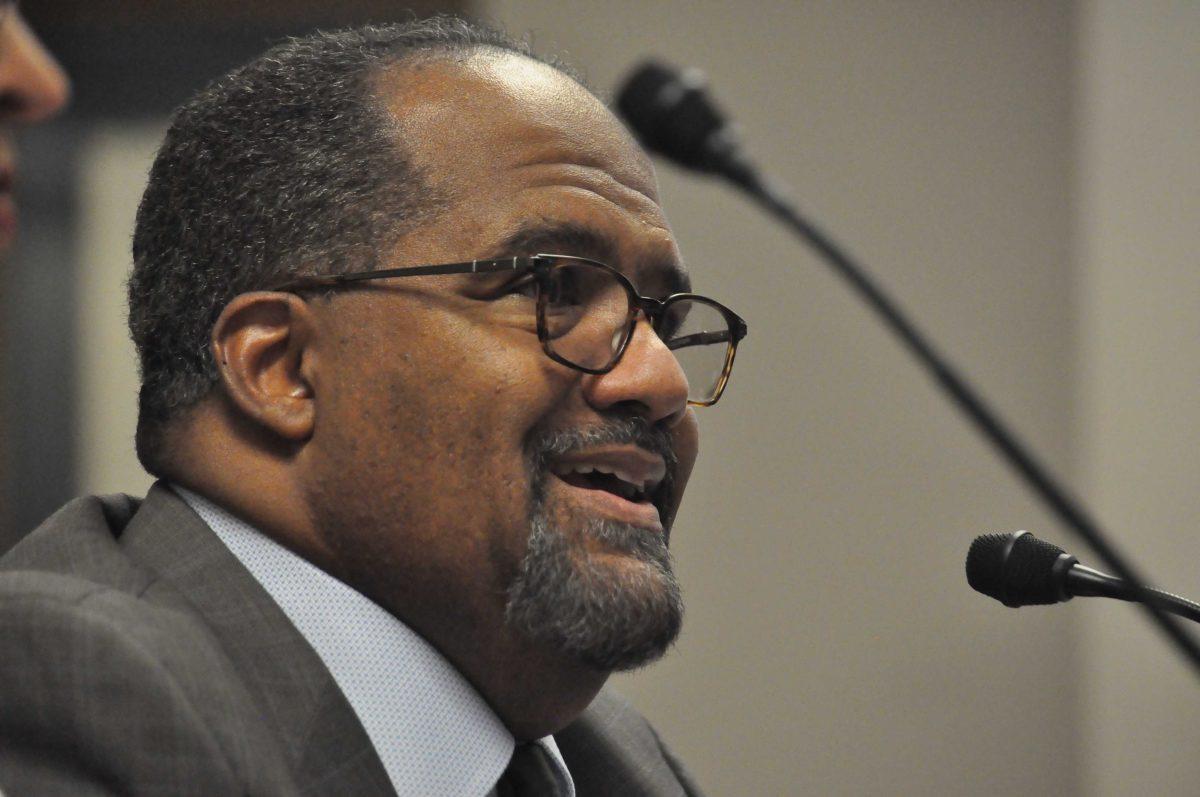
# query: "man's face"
[[453, 460], [32, 88]]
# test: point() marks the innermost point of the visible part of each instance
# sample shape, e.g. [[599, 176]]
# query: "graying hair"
[[287, 166]]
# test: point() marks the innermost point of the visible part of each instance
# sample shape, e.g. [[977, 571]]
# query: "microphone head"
[[1016, 569], [670, 113]]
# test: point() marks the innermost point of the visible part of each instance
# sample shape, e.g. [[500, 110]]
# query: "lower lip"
[[601, 502]]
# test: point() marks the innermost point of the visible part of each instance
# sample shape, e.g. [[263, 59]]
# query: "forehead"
[[516, 145]]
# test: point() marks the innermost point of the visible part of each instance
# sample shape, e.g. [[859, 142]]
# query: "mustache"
[[545, 445]]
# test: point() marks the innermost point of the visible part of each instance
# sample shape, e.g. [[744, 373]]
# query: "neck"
[[534, 692], [220, 456]]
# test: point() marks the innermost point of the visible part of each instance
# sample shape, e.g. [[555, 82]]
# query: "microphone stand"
[[1088, 583], [672, 115], [1011, 449]]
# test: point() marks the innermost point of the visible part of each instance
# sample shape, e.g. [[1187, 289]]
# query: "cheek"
[[416, 468], [435, 429]]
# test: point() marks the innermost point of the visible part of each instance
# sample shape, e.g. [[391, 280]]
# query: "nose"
[[648, 380], [33, 87]]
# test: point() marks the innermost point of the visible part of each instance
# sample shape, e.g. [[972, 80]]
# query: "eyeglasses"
[[586, 313]]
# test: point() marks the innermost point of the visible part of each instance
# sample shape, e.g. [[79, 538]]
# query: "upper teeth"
[[625, 476]]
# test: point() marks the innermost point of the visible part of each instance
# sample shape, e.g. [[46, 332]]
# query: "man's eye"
[[525, 286]]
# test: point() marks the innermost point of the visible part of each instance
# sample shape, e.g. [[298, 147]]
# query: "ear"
[[262, 344]]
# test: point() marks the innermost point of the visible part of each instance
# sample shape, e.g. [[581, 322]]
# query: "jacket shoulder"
[[82, 540], [109, 682], [612, 749]]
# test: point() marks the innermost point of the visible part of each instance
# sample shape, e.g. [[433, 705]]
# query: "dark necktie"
[[530, 773]]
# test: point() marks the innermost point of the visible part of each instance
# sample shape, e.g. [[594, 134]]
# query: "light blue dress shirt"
[[433, 732]]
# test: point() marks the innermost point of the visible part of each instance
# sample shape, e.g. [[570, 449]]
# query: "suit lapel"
[[328, 749]]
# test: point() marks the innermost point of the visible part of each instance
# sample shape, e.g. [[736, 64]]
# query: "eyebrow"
[[570, 238]]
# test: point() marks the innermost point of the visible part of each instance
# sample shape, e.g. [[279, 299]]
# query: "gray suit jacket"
[[138, 656]]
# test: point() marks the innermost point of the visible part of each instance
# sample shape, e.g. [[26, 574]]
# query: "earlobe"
[[262, 346]]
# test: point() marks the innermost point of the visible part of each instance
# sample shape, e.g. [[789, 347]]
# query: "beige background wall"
[[1006, 169], [111, 185], [1139, 392]]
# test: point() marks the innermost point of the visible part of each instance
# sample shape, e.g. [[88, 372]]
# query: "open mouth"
[[622, 483], [596, 479]]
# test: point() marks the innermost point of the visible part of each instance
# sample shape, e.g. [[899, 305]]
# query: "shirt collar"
[[433, 732]]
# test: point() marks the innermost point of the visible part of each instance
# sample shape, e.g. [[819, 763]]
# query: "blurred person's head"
[[33, 88]]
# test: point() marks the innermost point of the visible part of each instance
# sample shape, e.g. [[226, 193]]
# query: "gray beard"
[[606, 615], [609, 616]]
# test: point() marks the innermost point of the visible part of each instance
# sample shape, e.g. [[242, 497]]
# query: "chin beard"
[[614, 608]]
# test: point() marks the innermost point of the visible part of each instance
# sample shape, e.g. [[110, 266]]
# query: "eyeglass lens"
[[698, 333], [586, 311]]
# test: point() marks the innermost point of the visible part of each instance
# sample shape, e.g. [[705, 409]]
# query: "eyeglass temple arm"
[[467, 267]]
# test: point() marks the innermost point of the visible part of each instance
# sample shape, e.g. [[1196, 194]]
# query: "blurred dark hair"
[[290, 165]]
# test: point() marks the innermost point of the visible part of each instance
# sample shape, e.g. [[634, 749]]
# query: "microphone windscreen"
[[1017, 571], [671, 115], [985, 564]]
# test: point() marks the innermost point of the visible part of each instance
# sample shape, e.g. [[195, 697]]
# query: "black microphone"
[[671, 114], [1021, 570]]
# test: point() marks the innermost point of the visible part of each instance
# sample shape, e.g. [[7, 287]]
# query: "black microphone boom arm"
[[671, 115], [1089, 583]]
